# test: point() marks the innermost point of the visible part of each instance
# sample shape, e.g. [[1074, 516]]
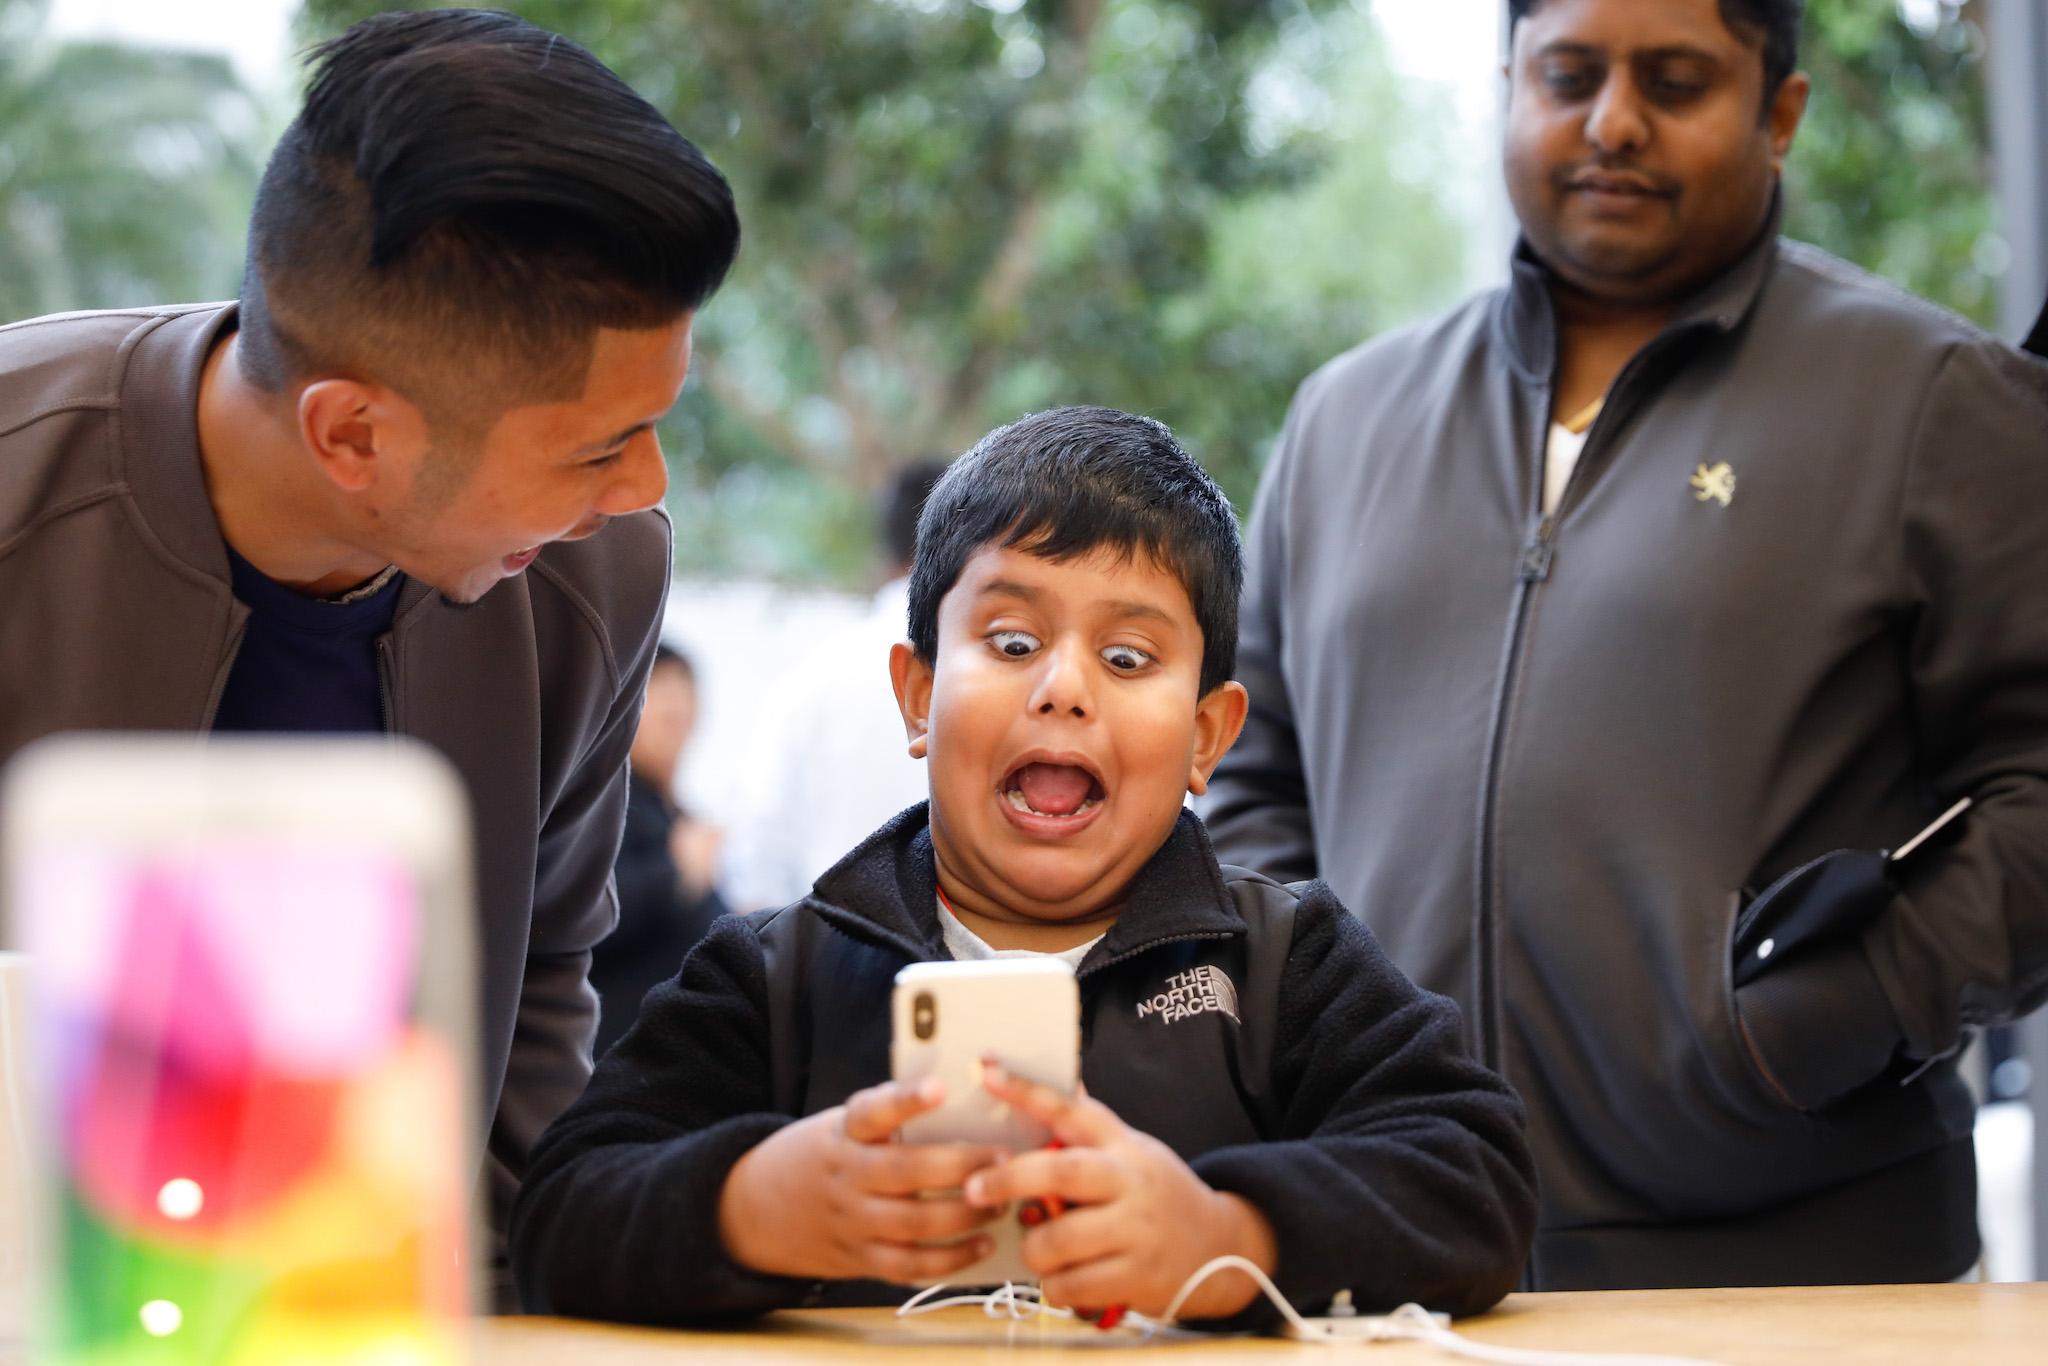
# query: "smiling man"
[[410, 484], [1602, 634]]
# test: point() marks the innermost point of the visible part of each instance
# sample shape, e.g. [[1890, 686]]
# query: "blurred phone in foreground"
[[947, 1017], [250, 970]]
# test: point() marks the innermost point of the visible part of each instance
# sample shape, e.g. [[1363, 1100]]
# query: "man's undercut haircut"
[[1072, 482], [464, 200], [1776, 22]]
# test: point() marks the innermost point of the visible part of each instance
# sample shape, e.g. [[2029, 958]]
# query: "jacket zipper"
[[1532, 570]]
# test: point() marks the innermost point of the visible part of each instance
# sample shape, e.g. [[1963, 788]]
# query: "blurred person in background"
[[832, 763], [409, 484], [668, 861], [1603, 635]]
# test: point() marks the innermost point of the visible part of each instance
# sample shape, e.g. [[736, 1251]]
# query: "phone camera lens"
[[924, 1015]]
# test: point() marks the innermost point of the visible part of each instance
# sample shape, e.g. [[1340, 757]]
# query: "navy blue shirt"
[[306, 664]]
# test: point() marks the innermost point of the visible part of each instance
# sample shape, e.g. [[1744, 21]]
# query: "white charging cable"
[[1009, 1300], [1021, 1303], [1409, 1323]]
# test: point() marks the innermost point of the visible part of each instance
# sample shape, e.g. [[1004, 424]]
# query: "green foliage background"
[[957, 212], [125, 173], [960, 210], [1892, 168]]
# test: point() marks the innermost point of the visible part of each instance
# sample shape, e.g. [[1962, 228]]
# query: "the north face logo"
[[1194, 992]]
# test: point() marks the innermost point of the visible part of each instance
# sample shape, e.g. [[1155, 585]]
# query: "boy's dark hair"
[[463, 201], [1775, 21], [1068, 482], [903, 503]]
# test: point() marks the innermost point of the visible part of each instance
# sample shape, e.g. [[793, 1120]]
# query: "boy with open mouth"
[[1260, 1080]]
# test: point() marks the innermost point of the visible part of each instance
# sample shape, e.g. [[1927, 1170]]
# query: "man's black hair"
[[1070, 482], [902, 503], [463, 201], [1775, 21]]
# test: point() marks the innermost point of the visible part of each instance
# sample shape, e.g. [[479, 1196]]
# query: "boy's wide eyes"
[[1022, 645]]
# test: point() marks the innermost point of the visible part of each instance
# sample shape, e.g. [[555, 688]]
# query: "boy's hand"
[[1140, 1221], [834, 1197]]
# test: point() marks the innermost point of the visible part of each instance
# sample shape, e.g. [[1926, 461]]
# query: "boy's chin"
[[1057, 884]]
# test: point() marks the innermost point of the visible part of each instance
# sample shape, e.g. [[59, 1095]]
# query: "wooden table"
[[1917, 1325]]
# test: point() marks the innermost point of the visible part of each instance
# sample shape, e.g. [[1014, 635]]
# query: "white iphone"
[[946, 1017]]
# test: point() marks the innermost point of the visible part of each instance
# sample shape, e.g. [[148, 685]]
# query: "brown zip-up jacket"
[[116, 614]]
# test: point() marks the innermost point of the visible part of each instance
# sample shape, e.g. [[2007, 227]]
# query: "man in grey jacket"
[[1602, 634], [410, 484]]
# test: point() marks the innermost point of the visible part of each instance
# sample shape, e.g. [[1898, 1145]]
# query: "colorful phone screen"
[[254, 1138]]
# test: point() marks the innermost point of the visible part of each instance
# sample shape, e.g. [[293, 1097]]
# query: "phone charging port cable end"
[[1409, 1323]]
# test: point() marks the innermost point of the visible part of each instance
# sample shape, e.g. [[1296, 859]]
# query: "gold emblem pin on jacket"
[[1717, 483]]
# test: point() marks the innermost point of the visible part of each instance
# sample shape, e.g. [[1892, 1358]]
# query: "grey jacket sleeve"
[[574, 906], [1257, 805], [1967, 942], [1964, 941]]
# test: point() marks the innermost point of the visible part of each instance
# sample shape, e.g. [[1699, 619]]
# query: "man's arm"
[[1257, 805], [1401, 1171], [575, 905], [1966, 942], [1963, 939]]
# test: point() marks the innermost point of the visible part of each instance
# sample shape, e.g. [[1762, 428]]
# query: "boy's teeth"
[[1016, 799]]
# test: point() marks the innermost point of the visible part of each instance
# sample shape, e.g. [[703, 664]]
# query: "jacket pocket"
[[1821, 1025], [1761, 1089], [1699, 1133]]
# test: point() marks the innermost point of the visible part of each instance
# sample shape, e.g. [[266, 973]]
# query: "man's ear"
[[1788, 107], [358, 431], [912, 678], [1218, 718]]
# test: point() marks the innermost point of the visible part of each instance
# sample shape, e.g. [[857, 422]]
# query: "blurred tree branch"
[[1892, 168], [125, 172], [958, 210]]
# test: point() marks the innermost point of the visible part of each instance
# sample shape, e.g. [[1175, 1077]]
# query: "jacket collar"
[[1527, 322], [160, 442], [160, 436], [886, 890]]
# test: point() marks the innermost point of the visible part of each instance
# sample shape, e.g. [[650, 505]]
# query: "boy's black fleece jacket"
[[1254, 1028]]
